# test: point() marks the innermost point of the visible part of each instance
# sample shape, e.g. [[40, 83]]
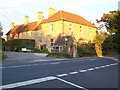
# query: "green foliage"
[[86, 50], [1, 33], [100, 37], [112, 21], [111, 43], [40, 51], [59, 55], [17, 44], [44, 51]]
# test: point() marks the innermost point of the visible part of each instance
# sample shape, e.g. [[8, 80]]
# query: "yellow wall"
[[57, 25], [87, 33]]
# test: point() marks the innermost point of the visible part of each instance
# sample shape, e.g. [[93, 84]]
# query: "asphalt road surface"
[[84, 73]]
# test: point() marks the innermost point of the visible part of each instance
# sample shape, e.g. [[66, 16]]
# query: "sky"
[[15, 10]]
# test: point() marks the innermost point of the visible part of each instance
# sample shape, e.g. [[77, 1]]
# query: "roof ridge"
[[61, 14]]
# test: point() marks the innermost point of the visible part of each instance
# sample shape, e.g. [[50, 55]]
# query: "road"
[[84, 73]]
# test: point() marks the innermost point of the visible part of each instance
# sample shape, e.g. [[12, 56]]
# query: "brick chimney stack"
[[12, 25], [51, 11], [40, 17], [26, 20]]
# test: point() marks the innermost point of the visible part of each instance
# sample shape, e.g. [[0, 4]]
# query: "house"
[[45, 32]]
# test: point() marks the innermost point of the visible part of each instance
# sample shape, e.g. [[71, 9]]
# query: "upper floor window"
[[51, 27], [70, 26], [89, 29], [80, 28]]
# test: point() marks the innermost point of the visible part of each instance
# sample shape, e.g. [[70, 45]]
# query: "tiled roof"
[[60, 15], [22, 28], [63, 15]]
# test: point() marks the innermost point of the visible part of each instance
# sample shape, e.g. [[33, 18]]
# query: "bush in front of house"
[[35, 50], [59, 55], [87, 49], [44, 51], [17, 44]]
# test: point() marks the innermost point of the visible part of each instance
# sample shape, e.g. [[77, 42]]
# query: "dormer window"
[[51, 27]]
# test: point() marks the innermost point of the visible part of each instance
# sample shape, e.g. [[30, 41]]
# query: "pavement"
[[42, 72]]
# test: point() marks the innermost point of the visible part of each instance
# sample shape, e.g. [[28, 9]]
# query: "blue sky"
[[15, 10]]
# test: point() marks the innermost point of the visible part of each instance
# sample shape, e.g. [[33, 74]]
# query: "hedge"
[[87, 49], [17, 44], [59, 55]]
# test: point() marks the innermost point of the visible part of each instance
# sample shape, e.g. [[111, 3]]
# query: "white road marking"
[[96, 67], [61, 75], [113, 64], [73, 72], [102, 66], [90, 69], [29, 82], [107, 65], [56, 63], [83, 70], [84, 60], [75, 85], [21, 66]]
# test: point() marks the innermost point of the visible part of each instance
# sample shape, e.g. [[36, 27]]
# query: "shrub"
[[110, 45], [59, 55], [17, 44], [44, 51], [86, 50]]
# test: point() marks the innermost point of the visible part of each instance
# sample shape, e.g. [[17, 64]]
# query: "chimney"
[[51, 11], [12, 25], [26, 20], [40, 17]]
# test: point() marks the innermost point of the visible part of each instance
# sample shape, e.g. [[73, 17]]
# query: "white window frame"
[[51, 27]]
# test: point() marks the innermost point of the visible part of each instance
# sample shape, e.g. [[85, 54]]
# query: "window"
[[80, 28], [51, 42], [89, 29], [51, 27], [70, 27], [31, 34]]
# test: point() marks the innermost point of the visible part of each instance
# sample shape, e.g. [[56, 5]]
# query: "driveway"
[[21, 56]]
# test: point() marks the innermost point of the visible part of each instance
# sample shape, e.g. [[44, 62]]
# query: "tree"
[[1, 33], [100, 38], [112, 21]]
